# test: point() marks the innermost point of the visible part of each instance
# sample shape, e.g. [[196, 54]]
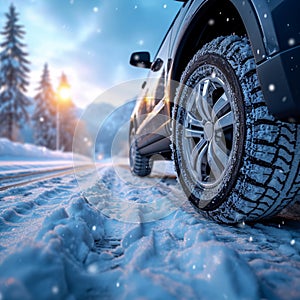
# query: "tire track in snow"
[[36, 176], [25, 205], [185, 245]]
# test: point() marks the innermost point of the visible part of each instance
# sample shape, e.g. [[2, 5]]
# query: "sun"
[[64, 93]]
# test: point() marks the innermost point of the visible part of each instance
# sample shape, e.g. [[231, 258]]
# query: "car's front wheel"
[[234, 161]]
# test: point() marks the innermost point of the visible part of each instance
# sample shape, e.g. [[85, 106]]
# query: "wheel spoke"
[[205, 99], [225, 121], [213, 163], [220, 104], [193, 127], [201, 159], [198, 152], [191, 120], [202, 101], [219, 152], [193, 133]]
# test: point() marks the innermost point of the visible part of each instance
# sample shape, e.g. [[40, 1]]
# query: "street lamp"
[[63, 95]]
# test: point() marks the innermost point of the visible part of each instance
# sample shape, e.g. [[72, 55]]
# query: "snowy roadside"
[[15, 157], [56, 245], [16, 151]]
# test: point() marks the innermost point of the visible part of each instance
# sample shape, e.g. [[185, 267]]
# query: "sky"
[[90, 40]]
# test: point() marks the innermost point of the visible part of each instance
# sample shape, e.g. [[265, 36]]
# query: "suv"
[[222, 100]]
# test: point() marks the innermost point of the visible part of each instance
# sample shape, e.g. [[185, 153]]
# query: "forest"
[[50, 115]]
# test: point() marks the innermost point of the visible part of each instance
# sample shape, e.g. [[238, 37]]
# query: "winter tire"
[[139, 165], [234, 161]]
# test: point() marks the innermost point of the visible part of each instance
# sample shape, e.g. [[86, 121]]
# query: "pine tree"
[[67, 115], [44, 116], [13, 78]]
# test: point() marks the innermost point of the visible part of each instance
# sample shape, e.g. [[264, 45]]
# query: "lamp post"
[[63, 94]]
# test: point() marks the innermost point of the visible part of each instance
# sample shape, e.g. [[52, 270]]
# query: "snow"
[[59, 242], [17, 151]]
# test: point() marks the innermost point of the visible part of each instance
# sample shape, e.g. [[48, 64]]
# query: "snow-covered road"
[[60, 242]]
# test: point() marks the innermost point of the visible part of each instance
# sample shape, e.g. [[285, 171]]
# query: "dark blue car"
[[223, 101]]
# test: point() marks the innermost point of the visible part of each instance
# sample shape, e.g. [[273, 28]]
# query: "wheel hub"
[[208, 131]]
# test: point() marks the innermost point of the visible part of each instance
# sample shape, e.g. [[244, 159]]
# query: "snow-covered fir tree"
[[13, 78], [67, 115], [44, 116]]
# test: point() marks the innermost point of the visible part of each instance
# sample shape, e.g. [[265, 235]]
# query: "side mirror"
[[140, 59]]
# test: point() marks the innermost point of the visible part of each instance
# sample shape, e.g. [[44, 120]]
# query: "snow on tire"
[[234, 161]]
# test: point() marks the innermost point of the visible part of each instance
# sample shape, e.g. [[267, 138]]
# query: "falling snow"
[[93, 268], [211, 22], [55, 289], [272, 87], [291, 42]]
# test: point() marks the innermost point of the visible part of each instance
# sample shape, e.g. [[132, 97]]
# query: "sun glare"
[[64, 93]]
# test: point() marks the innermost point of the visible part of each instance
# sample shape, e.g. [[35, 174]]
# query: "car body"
[[272, 30]]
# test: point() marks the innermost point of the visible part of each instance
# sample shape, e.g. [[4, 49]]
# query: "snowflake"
[[291, 42], [272, 87], [92, 269], [55, 289], [211, 22]]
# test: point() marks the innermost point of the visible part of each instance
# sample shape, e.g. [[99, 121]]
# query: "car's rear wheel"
[[140, 165], [234, 161]]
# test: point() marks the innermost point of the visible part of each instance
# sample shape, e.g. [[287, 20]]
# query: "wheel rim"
[[209, 130]]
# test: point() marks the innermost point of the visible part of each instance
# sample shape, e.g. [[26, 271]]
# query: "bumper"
[[280, 81]]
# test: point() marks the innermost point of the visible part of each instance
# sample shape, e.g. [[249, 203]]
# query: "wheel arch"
[[216, 18]]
